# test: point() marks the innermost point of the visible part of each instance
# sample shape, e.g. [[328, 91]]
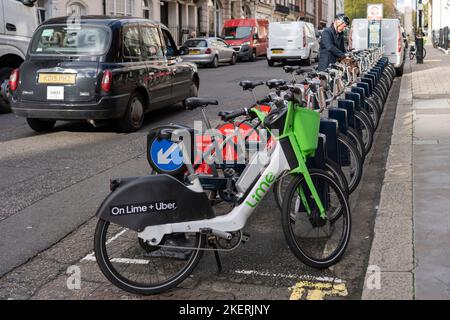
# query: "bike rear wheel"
[[352, 165], [317, 242], [137, 267], [367, 131]]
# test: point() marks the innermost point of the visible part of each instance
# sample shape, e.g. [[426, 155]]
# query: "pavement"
[[410, 254], [53, 183]]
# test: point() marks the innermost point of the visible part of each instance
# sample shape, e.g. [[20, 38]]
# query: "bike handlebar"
[[230, 115]]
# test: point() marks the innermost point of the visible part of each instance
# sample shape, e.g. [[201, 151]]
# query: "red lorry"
[[248, 37]]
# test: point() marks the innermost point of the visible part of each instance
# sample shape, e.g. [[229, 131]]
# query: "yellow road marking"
[[317, 290]]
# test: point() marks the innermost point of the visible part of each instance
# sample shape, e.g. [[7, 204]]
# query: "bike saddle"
[[290, 69], [302, 71], [168, 133], [247, 84], [275, 83], [193, 103]]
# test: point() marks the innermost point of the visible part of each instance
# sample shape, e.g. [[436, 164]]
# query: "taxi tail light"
[[208, 51], [107, 81], [14, 80]]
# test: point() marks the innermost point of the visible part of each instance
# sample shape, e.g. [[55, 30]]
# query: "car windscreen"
[[71, 40], [237, 33], [195, 44]]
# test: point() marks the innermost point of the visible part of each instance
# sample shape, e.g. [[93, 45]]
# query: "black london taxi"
[[100, 68]]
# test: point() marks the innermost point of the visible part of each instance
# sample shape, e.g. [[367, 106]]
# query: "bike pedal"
[[245, 237]]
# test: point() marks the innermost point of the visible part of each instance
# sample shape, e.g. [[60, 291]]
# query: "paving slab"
[[392, 247], [394, 286]]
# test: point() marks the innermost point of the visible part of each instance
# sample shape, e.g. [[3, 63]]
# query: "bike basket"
[[306, 129]]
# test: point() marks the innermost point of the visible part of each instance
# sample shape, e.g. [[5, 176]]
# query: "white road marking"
[[91, 256], [289, 276]]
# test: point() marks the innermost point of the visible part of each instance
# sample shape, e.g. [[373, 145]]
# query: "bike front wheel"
[[317, 241], [138, 267]]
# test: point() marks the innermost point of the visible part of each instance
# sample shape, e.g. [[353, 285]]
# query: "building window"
[[121, 7], [76, 9], [40, 7], [146, 8]]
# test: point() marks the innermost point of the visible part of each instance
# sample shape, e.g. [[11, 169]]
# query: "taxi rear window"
[[71, 40]]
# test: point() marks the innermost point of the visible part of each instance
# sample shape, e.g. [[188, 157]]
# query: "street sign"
[[375, 11], [166, 155]]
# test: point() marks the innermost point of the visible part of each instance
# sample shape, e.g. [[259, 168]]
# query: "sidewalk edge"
[[389, 274]]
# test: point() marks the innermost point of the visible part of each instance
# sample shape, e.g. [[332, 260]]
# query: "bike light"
[[208, 51], [14, 80], [107, 81]]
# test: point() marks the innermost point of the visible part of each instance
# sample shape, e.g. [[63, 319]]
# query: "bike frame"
[[238, 217]]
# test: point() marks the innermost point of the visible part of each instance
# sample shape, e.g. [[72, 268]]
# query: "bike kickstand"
[[216, 255]]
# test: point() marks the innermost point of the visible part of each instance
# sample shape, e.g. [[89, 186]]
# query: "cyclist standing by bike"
[[332, 45]]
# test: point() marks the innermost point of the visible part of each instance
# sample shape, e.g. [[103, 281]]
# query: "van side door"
[[262, 41], [2, 19], [158, 78]]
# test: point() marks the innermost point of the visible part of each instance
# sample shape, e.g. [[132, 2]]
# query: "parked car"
[[18, 21], [292, 41], [248, 37], [100, 69], [208, 51], [391, 39]]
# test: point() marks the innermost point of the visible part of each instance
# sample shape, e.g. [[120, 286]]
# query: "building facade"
[[186, 18]]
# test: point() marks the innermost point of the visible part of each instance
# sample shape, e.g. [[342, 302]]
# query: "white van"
[[391, 39], [292, 41], [18, 20]]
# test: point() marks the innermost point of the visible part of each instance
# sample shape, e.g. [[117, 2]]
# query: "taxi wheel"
[[4, 75], [134, 115], [40, 125], [193, 92]]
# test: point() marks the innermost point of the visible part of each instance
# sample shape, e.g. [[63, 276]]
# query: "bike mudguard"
[[362, 97], [349, 105], [320, 157], [138, 202], [341, 116], [365, 87], [356, 98], [329, 128]]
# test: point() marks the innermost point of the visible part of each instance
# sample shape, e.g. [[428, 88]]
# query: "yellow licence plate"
[[57, 78], [194, 52], [277, 51]]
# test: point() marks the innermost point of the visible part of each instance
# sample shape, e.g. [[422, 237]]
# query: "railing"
[[181, 33], [282, 9]]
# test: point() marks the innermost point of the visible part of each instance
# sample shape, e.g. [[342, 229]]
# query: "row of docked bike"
[[307, 141]]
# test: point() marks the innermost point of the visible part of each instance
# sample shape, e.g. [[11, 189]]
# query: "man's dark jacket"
[[331, 47]]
